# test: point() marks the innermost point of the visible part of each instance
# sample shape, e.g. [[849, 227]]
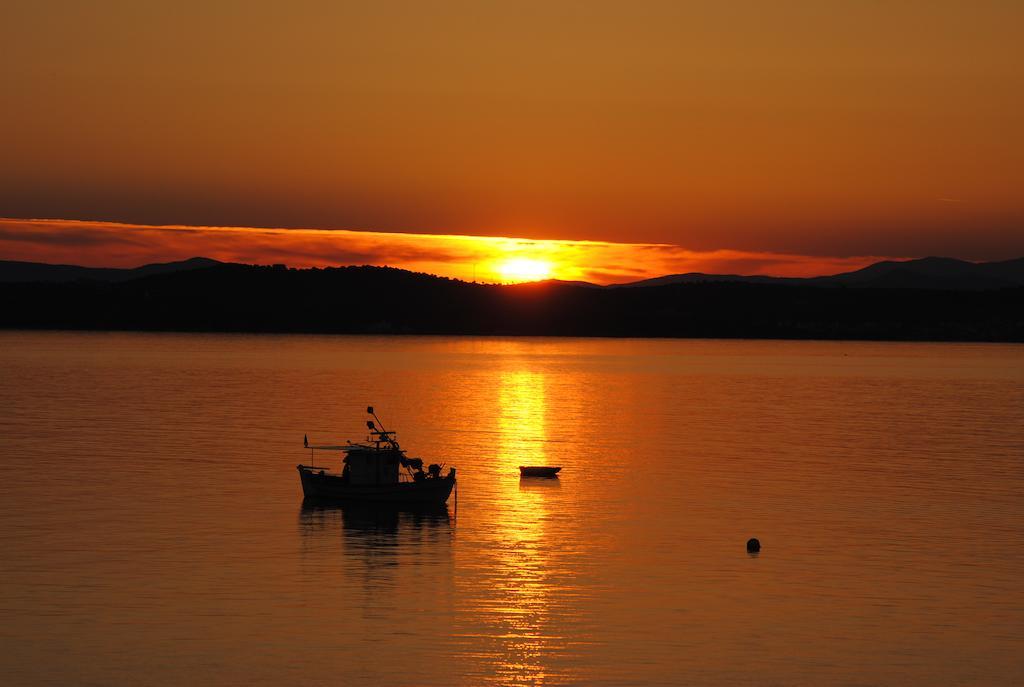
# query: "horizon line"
[[471, 258]]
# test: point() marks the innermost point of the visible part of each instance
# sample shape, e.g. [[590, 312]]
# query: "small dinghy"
[[538, 471]]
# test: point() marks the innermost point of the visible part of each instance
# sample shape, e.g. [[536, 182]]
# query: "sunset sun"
[[524, 269]]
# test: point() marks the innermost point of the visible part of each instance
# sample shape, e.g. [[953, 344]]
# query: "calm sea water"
[[153, 531]]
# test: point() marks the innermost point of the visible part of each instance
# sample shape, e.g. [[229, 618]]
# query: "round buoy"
[[753, 546]]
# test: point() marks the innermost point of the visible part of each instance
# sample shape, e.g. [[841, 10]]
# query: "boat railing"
[[315, 468]]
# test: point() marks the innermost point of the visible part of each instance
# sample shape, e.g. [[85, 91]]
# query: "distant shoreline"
[[228, 298], [412, 335]]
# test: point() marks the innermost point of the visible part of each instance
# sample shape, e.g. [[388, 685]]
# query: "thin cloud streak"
[[111, 244]]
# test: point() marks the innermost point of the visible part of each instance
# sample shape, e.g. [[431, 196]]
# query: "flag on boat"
[[305, 441]]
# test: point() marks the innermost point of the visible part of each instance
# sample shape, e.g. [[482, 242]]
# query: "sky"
[[471, 258], [832, 132]]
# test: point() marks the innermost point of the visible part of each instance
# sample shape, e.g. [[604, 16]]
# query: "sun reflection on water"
[[525, 585]]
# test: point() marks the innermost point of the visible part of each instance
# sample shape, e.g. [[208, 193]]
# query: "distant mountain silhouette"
[[925, 273], [702, 278], [933, 273], [378, 300], [14, 271], [573, 282]]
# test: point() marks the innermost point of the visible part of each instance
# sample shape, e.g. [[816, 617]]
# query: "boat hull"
[[538, 471], [318, 485]]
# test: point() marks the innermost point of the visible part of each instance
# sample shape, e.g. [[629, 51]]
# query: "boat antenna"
[[383, 433]]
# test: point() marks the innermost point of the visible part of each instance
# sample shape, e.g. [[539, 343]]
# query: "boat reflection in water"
[[374, 528], [538, 484], [316, 514], [375, 564]]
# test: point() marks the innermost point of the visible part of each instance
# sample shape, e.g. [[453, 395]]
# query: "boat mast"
[[382, 434]]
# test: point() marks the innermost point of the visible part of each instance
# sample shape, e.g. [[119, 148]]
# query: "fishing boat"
[[538, 471], [377, 470]]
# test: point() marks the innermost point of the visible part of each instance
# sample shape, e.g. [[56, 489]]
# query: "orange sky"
[[483, 258], [809, 127]]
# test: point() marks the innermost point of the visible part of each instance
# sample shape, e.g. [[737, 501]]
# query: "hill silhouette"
[[15, 271], [924, 273], [362, 300]]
